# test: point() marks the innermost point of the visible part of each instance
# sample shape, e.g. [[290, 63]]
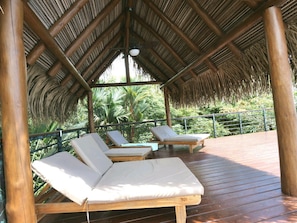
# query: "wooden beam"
[[167, 107], [161, 40], [212, 25], [55, 29], [84, 35], [19, 197], [103, 66], [51, 44], [95, 63], [285, 111], [179, 32], [125, 84], [232, 35], [93, 47], [91, 112]]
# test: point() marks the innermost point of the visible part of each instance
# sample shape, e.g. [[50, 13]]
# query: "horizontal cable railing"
[[218, 125]]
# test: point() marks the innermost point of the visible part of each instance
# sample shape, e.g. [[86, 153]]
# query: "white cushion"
[[163, 132], [67, 175], [90, 152], [99, 141], [146, 179], [116, 137], [153, 145], [128, 152], [187, 138]]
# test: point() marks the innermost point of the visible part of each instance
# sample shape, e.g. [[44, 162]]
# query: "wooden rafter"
[[212, 25], [97, 61], [93, 47], [179, 32], [82, 37], [104, 65], [55, 29], [36, 25], [224, 40], [160, 39]]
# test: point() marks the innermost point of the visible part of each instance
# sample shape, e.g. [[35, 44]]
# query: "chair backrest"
[[67, 175], [90, 152], [99, 141], [162, 132], [116, 137]]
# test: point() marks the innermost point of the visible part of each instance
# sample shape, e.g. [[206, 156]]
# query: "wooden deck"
[[241, 179]]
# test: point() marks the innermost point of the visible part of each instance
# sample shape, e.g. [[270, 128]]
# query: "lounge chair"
[[100, 185], [95, 142], [165, 135], [118, 139]]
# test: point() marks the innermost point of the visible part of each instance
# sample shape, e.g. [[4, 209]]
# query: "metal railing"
[[218, 125]]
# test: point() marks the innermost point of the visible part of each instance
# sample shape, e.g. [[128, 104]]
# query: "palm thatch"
[[172, 35], [48, 100]]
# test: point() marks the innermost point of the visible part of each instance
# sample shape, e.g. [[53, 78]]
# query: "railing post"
[[264, 119], [59, 140], [240, 123], [214, 126], [186, 127]]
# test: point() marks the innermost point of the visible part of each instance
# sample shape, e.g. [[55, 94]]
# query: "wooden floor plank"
[[241, 177]]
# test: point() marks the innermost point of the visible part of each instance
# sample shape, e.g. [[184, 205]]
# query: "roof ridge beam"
[[54, 29], [36, 25], [212, 25], [233, 34]]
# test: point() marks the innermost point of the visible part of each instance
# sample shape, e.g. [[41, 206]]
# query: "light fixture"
[[134, 52]]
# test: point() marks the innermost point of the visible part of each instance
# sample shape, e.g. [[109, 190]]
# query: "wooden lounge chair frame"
[[171, 134], [63, 170], [179, 203]]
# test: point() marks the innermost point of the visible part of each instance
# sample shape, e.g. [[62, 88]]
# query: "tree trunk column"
[[13, 94], [282, 89], [91, 112], [167, 107]]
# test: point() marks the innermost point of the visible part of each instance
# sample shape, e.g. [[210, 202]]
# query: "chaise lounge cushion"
[[119, 140], [86, 143], [146, 179], [166, 134], [88, 149], [124, 181], [67, 175]]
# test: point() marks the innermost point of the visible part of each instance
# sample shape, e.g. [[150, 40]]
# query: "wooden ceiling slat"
[[236, 32], [35, 24], [178, 31], [93, 46], [212, 25], [85, 73], [82, 37], [55, 29]]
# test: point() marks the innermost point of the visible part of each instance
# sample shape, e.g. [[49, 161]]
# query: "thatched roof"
[[201, 50]]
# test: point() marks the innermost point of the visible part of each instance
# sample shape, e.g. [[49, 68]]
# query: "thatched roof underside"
[[173, 36]]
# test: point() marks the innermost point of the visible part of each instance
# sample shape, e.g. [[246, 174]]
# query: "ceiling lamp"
[[134, 52]]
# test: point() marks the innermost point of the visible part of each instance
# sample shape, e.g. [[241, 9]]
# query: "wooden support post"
[[282, 89], [91, 112], [20, 205], [167, 107]]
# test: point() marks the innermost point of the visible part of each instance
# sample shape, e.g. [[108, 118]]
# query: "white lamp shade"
[[134, 52]]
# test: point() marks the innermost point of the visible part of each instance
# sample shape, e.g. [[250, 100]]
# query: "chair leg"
[[191, 148], [181, 214]]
